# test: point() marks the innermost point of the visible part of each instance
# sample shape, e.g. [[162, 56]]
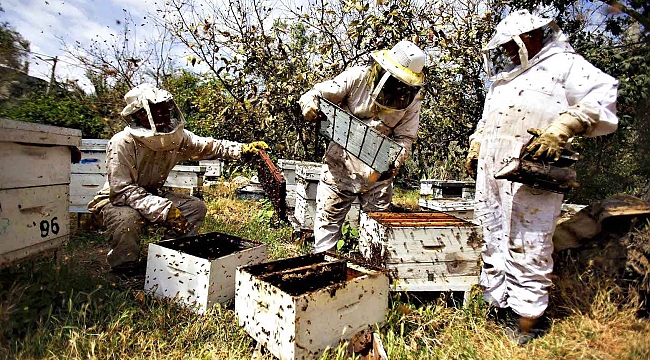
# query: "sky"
[[46, 23]]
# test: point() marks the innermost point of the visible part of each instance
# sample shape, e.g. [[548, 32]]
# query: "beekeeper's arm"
[[124, 189], [591, 95], [195, 147], [471, 161], [406, 131], [334, 90]]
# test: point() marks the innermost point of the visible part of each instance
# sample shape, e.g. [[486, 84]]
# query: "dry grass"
[[83, 313]]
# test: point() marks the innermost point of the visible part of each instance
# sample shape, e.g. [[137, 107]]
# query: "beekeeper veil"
[[158, 121], [498, 64], [401, 76]]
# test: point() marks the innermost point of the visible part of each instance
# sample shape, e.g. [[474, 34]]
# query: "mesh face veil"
[[501, 65], [392, 94]]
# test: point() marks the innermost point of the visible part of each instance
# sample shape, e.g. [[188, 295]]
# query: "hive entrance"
[[208, 246], [305, 274]]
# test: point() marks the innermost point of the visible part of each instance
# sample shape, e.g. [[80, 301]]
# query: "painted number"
[[46, 227]]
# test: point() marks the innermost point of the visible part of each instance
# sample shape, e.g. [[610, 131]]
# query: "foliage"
[[264, 55], [14, 49], [58, 109], [79, 310]]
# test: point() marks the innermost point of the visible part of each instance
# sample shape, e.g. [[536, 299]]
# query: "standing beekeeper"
[[138, 161], [386, 96], [548, 90]]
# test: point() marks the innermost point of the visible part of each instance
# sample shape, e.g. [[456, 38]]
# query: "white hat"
[[405, 61], [515, 24], [141, 94]]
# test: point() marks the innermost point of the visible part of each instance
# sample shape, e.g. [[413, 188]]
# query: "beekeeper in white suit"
[[386, 96], [138, 161], [548, 90]]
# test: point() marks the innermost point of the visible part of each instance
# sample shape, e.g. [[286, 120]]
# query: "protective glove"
[[176, 220], [310, 110], [471, 162], [550, 142], [251, 149]]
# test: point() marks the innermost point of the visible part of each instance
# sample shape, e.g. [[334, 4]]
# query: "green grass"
[[81, 311]]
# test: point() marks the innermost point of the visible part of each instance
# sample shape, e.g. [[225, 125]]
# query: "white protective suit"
[[138, 162], [518, 221], [344, 177]]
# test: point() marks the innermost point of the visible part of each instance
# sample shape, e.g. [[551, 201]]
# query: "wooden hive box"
[[422, 251], [457, 207], [299, 307], [439, 189], [89, 175], [34, 187], [199, 271], [186, 177], [213, 168]]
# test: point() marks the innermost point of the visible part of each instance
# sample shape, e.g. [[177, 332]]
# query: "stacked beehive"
[[34, 187], [89, 175], [452, 197], [423, 251]]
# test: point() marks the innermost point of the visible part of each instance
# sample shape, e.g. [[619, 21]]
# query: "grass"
[[83, 312]]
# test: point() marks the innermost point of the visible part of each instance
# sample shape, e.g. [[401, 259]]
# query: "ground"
[[78, 309]]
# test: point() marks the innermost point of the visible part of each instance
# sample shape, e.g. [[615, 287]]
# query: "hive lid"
[[418, 219], [32, 133]]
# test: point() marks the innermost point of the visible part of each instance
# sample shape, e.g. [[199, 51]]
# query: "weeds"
[[80, 312]]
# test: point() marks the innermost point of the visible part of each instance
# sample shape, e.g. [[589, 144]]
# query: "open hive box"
[[199, 270], [298, 307], [422, 251]]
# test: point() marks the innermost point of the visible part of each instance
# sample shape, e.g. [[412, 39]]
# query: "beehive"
[[422, 251], [298, 307], [89, 175], [34, 187], [213, 168], [199, 271], [457, 207], [439, 189], [273, 184]]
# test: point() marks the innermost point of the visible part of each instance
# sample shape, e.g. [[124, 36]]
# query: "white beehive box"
[[89, 175], [186, 177], [213, 168], [199, 271], [298, 307], [357, 138], [305, 213], [423, 251], [457, 207], [439, 189], [34, 187]]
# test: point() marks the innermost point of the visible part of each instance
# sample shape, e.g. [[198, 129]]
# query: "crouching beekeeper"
[[138, 161], [547, 90], [386, 96]]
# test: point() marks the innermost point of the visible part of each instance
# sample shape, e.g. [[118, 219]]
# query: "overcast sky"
[[43, 22]]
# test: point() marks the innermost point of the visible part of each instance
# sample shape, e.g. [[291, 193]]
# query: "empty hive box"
[[422, 251], [298, 307], [199, 270]]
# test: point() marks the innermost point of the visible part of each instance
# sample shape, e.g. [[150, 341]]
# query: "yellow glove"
[[550, 142], [471, 162], [250, 149], [176, 220]]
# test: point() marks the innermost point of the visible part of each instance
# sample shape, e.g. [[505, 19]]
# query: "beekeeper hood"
[[403, 77], [165, 120], [497, 63]]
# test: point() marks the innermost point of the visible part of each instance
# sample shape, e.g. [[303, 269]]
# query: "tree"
[[14, 49]]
